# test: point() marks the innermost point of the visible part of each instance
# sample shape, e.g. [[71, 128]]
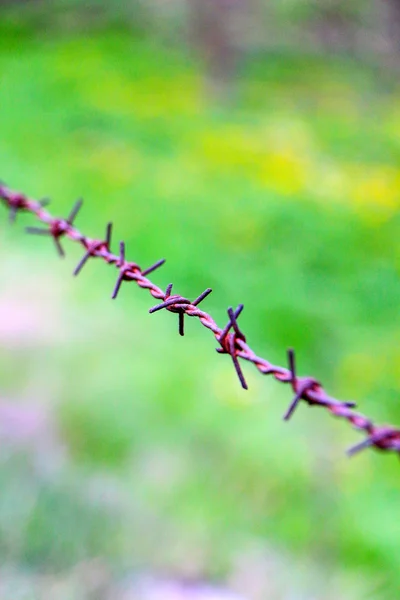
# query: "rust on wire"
[[229, 342], [178, 304], [94, 248], [231, 339], [57, 227]]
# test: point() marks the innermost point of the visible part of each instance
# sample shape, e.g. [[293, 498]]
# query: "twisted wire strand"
[[231, 339]]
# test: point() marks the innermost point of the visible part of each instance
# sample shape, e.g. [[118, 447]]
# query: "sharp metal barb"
[[350, 404], [292, 364], [44, 202], [37, 231], [60, 249], [93, 248], [81, 263], [232, 319], [181, 323], [229, 325], [293, 406], [75, 209], [369, 441], [359, 447], [167, 303], [153, 267], [238, 311], [121, 253], [234, 324], [202, 296], [296, 399], [12, 215], [117, 286], [237, 366], [168, 290], [108, 235]]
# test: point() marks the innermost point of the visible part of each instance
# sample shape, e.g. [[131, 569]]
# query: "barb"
[[178, 304], [231, 339], [229, 342], [94, 247], [57, 227]]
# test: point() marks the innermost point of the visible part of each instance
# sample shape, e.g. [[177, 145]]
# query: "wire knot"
[[178, 304], [382, 438], [93, 247], [127, 270], [58, 227], [300, 386], [16, 202], [230, 342]]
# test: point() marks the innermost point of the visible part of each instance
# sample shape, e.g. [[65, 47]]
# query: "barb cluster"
[[231, 340]]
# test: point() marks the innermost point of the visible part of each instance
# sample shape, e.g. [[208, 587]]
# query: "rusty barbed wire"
[[230, 338]]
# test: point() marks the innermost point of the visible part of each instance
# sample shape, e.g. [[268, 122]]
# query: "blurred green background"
[[255, 146]]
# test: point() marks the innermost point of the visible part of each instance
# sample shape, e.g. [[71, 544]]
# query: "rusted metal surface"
[[231, 340]]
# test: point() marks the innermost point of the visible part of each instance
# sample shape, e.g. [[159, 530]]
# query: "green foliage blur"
[[286, 199]]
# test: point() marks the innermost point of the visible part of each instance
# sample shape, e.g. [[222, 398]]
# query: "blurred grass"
[[288, 202]]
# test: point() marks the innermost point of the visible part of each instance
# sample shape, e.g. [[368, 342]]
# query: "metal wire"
[[231, 340]]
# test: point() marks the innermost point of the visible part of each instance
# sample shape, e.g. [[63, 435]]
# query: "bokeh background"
[[256, 146]]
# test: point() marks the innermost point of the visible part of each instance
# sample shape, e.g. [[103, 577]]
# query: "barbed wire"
[[231, 340]]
